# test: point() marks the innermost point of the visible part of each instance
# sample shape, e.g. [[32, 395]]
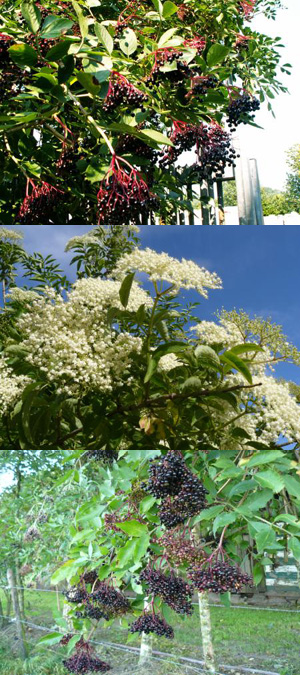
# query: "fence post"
[[256, 191], [146, 646], [205, 625], [17, 613]]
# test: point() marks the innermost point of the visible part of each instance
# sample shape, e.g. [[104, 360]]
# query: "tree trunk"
[[1, 614], [15, 600], [146, 647], [205, 625], [20, 592]]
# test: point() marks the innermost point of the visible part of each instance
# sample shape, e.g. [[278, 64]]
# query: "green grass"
[[254, 638]]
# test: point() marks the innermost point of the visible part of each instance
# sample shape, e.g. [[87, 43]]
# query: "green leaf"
[[263, 458], [225, 599], [133, 528], [222, 520], [258, 573], [147, 503], [128, 43], [216, 54], [294, 547], [156, 136], [192, 384], [258, 500], [104, 36], [265, 538], [23, 55], [125, 289], [142, 545], [210, 513], [82, 20], [32, 15], [60, 50], [270, 479], [65, 71], [72, 643], [126, 552], [50, 639], [54, 26], [241, 349], [207, 357], [87, 81], [169, 8], [166, 36], [292, 485], [63, 572], [237, 363]]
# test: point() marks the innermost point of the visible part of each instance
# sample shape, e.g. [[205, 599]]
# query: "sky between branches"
[[269, 145], [259, 267]]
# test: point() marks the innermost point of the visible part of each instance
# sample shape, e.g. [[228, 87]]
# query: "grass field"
[[267, 640]]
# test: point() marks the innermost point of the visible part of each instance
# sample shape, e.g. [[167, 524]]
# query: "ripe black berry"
[[122, 92], [166, 475], [176, 592], [84, 660], [151, 623], [218, 577], [201, 85], [240, 109], [180, 550], [39, 207], [106, 456], [109, 599]]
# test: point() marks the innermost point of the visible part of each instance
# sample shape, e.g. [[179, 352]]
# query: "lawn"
[[253, 638]]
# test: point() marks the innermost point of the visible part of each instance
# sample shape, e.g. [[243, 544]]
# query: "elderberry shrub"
[[123, 199], [166, 57], [240, 109], [218, 578], [176, 592], [184, 137], [122, 92], [148, 623], [190, 500], [166, 475], [82, 662], [76, 595]]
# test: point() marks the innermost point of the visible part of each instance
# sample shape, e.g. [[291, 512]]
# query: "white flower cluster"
[[20, 295], [225, 332], [169, 361], [71, 341], [11, 235], [83, 239], [162, 267], [11, 386], [279, 412]]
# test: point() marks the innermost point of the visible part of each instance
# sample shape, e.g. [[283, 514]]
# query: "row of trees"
[[93, 96], [111, 370], [275, 202]]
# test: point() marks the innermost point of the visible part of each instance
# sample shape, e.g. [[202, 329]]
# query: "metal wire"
[[113, 645]]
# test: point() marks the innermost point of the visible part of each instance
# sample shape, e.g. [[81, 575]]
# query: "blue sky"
[[259, 267], [269, 145]]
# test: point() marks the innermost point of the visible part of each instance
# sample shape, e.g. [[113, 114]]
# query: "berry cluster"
[[176, 592], [32, 533], [39, 206], [197, 42], [124, 197], [106, 456], [242, 42], [66, 164], [83, 661], [164, 57], [5, 41], [218, 577], [109, 599], [214, 151], [151, 623], [110, 520], [240, 109], [201, 85], [183, 136], [66, 639], [132, 145], [183, 492], [122, 92], [247, 7], [166, 475], [180, 550]]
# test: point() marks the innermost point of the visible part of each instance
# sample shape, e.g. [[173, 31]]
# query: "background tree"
[[293, 178]]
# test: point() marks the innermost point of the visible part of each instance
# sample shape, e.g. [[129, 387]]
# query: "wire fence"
[[188, 664]]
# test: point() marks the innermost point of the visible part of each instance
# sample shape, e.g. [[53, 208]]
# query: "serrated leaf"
[[265, 538], [210, 513], [270, 479], [104, 36], [125, 289], [258, 500], [147, 503], [222, 520], [72, 643], [32, 15], [292, 485], [242, 349], [207, 357], [264, 457], [50, 639], [168, 348], [128, 43]]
